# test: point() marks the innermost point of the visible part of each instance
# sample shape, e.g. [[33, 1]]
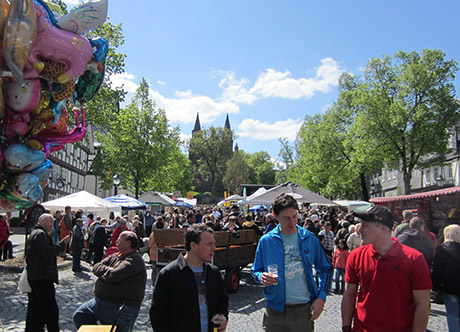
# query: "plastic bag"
[[23, 285]]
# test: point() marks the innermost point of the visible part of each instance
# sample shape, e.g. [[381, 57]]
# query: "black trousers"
[[98, 254], [42, 308]]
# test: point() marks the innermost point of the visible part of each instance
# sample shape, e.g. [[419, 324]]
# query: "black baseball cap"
[[377, 213]]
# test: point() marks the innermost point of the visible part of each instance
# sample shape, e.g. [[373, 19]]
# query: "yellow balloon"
[[19, 35]]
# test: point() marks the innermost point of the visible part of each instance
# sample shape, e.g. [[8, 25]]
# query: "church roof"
[[227, 123], [197, 123]]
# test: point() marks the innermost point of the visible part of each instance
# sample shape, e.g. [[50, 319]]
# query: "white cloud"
[[235, 90], [125, 81], [184, 137], [265, 131], [273, 83], [184, 105]]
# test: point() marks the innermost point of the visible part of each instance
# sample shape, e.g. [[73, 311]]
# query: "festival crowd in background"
[[105, 243]]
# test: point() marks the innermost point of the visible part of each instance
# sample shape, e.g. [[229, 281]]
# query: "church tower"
[[192, 157], [197, 124], [227, 126]]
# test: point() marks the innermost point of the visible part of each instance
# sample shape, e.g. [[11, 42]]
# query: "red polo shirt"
[[385, 300]]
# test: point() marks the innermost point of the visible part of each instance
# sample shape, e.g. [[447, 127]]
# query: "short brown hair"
[[284, 201]]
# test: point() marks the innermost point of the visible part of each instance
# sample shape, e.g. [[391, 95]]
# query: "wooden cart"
[[233, 251]]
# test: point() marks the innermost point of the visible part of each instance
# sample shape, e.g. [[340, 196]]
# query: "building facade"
[[438, 173]]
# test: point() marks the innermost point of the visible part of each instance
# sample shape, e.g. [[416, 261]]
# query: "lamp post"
[[116, 182]]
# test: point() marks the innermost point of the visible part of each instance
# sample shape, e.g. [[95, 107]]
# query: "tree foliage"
[[237, 172], [407, 106], [287, 156], [397, 115], [142, 148], [213, 148], [261, 169]]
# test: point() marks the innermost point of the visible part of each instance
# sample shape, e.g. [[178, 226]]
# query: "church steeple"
[[197, 123], [227, 123]]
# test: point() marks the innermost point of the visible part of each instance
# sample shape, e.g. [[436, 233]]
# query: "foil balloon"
[[19, 35], [23, 98], [75, 135], [100, 48], [26, 187], [16, 124], [89, 83], [84, 17], [72, 50], [10, 203], [2, 100], [43, 172], [20, 158], [4, 6], [56, 129]]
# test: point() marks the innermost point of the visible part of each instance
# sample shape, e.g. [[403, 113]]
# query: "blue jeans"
[[452, 311], [339, 280], [96, 310]]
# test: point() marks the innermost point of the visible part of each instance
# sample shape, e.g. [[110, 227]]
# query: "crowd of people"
[[384, 271]]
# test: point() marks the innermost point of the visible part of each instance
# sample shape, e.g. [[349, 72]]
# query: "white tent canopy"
[[151, 198], [85, 201], [232, 198], [258, 192], [299, 193], [354, 205]]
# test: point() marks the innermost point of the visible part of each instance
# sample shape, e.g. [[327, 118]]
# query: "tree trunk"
[[365, 192], [136, 182], [407, 176]]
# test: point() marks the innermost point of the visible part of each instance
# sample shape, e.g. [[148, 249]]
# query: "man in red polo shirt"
[[394, 281]]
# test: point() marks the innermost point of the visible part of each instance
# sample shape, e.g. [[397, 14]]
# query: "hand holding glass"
[[273, 272]]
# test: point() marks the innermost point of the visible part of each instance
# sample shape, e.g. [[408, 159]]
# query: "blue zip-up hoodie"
[[271, 251]]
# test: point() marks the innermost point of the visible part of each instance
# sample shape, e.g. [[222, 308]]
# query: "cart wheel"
[[232, 280]]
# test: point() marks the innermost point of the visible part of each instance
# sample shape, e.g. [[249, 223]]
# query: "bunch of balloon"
[[48, 67]]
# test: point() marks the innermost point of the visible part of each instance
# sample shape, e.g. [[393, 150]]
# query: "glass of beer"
[[273, 272]]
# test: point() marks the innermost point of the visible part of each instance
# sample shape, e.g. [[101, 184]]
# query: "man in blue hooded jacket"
[[294, 300]]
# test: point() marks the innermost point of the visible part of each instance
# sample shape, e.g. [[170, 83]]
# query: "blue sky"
[[267, 63]]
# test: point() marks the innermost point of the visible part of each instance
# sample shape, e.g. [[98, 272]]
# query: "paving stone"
[[246, 306]]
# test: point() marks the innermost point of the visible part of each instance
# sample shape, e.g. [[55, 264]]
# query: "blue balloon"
[[43, 171], [100, 48], [20, 158], [26, 187]]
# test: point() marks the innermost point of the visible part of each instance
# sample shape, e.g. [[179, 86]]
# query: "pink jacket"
[[340, 258]]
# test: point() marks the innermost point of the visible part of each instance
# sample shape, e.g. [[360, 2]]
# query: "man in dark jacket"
[[77, 243], [119, 289], [416, 238], [192, 285], [42, 273], [99, 239]]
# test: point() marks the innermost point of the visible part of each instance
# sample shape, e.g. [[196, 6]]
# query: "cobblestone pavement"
[[246, 306]]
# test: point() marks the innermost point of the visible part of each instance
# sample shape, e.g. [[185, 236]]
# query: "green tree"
[[213, 148], [261, 169], [287, 155], [237, 172], [140, 147], [406, 106]]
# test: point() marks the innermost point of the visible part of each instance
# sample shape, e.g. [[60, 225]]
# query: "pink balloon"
[[75, 135], [73, 50]]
